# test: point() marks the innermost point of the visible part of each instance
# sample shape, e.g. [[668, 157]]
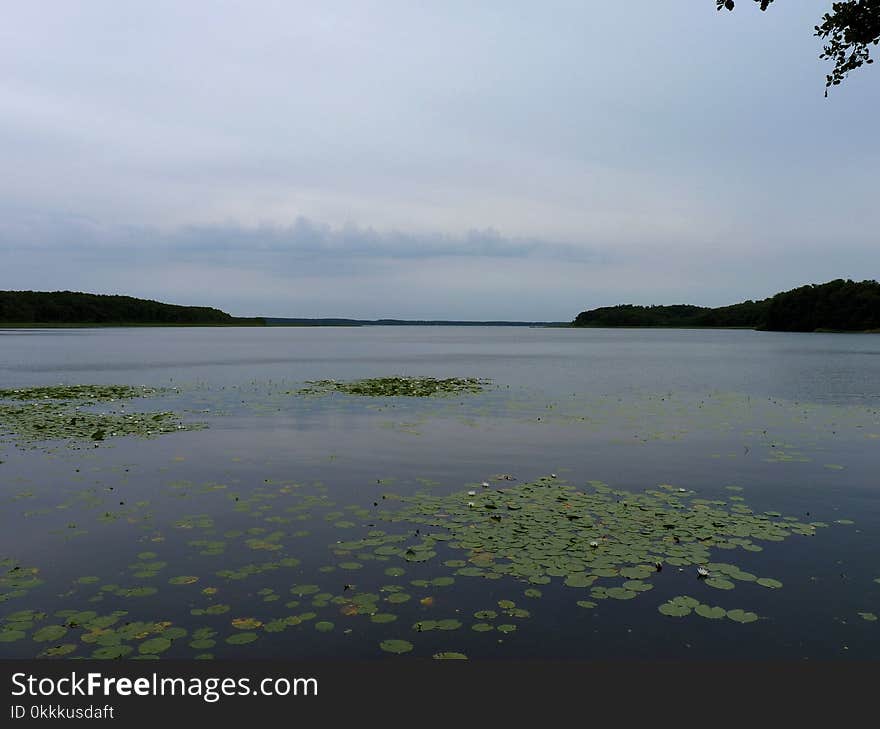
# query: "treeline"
[[840, 305], [73, 308], [835, 306], [749, 314]]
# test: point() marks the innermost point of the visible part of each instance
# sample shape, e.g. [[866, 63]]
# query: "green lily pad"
[[713, 613], [60, 650], [203, 644], [50, 633], [10, 636], [769, 582], [242, 638], [741, 616], [621, 593], [112, 652], [383, 618], [448, 624], [719, 583], [674, 610], [154, 645], [396, 646], [301, 590]]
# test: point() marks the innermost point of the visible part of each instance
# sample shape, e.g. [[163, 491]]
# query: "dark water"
[[791, 419]]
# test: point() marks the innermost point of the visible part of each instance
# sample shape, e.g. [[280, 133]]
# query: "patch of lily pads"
[[595, 543], [684, 605], [608, 543], [16, 580], [397, 386], [107, 636], [81, 394], [62, 413]]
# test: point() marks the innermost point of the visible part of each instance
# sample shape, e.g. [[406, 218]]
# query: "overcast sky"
[[478, 159]]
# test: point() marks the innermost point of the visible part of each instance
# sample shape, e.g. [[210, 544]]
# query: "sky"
[[460, 160]]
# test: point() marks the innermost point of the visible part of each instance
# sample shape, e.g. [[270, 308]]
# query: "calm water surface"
[[277, 490]]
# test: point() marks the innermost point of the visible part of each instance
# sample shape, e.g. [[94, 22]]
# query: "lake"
[[562, 512]]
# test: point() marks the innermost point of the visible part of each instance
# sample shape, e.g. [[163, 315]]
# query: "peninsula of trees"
[[840, 305], [71, 308]]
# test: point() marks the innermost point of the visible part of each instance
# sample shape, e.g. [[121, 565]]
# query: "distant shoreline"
[[835, 307], [142, 325]]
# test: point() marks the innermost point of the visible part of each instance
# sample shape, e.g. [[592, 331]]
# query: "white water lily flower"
[[485, 484], [471, 504], [472, 493], [594, 543], [702, 571]]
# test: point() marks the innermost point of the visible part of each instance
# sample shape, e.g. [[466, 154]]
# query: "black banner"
[[134, 693]]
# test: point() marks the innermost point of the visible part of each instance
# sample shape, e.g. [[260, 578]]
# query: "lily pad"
[[712, 613], [769, 582], [383, 618], [50, 633], [10, 636], [242, 638], [741, 616], [719, 583], [112, 652], [674, 610], [154, 645], [396, 646]]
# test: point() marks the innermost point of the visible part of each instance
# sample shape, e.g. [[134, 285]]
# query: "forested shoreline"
[[839, 305], [71, 308]]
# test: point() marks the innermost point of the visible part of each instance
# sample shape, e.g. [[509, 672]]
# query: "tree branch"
[[850, 29]]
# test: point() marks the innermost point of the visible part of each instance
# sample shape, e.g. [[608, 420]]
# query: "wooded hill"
[[71, 308], [840, 305]]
